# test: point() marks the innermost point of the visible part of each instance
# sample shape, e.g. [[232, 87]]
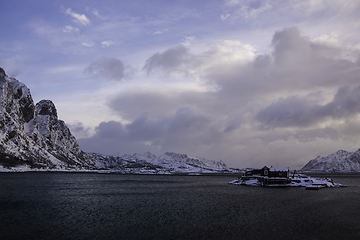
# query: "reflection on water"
[[110, 206]]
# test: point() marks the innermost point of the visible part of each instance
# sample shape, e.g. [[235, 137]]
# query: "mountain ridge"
[[340, 161]]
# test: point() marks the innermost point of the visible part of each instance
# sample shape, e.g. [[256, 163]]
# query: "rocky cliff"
[[33, 137], [32, 134]]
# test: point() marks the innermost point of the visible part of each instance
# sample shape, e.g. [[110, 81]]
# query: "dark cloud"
[[144, 128], [292, 111], [129, 104], [78, 127], [184, 130], [310, 135], [289, 45], [112, 130], [169, 60], [262, 61], [301, 111], [109, 68], [159, 103]]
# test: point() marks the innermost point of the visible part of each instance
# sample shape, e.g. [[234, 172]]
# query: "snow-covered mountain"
[[32, 134], [341, 161], [32, 138]]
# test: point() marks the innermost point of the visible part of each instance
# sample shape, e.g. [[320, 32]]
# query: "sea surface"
[[113, 206]]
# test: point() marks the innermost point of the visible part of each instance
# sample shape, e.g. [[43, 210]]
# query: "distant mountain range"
[[33, 138], [341, 161]]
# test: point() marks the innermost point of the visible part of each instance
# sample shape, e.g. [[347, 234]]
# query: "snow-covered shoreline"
[[195, 171], [295, 180]]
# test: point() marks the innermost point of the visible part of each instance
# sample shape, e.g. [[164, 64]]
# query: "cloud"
[[14, 65], [79, 129], [96, 12], [161, 32], [145, 132], [346, 103], [68, 29], [292, 111], [281, 13], [88, 44], [167, 61], [302, 112], [61, 39], [189, 40], [107, 43], [110, 68], [108, 139], [295, 64], [225, 16], [246, 9], [80, 19], [232, 3], [253, 12]]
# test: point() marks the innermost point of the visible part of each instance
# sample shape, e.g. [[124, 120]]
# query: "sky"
[[248, 82]]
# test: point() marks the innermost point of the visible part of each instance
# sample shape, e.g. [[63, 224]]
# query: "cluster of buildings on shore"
[[268, 176], [281, 177]]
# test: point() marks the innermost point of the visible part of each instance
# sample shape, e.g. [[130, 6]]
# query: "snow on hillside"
[[167, 163], [341, 161]]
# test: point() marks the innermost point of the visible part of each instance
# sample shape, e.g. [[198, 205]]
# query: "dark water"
[[108, 206]]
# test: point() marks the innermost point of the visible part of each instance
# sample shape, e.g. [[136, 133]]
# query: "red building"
[[269, 172]]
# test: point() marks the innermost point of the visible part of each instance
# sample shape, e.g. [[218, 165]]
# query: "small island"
[[282, 177]]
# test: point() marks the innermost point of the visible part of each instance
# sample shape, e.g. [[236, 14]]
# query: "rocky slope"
[[341, 161], [32, 134], [33, 138]]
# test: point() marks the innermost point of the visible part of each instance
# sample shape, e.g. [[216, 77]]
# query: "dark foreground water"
[[109, 206]]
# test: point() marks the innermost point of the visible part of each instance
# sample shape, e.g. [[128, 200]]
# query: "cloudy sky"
[[244, 81]]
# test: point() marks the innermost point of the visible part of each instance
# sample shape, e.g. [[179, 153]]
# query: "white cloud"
[[107, 43], [263, 8], [96, 13], [189, 40], [88, 44], [331, 40], [246, 9], [225, 16], [68, 29], [232, 3], [161, 32], [80, 19]]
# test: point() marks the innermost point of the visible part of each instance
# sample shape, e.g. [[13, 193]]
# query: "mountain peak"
[[2, 72], [46, 107], [336, 162]]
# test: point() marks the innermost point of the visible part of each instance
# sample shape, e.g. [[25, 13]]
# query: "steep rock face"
[[341, 161], [33, 134], [16, 109]]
